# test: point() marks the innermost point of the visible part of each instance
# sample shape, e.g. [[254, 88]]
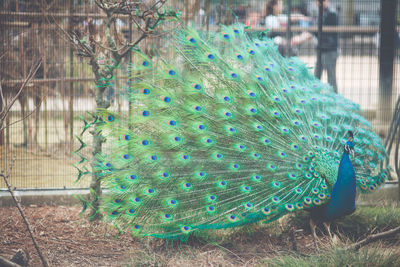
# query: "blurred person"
[[329, 45], [254, 19], [275, 19]]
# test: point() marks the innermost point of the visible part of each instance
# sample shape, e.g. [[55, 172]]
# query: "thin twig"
[[373, 238], [32, 72], [5, 177], [2, 55], [226, 249], [76, 42], [2, 102], [23, 118], [6, 263]]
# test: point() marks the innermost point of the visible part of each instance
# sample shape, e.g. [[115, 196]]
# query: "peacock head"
[[349, 146]]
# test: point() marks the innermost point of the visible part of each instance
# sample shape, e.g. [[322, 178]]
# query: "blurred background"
[[63, 88]]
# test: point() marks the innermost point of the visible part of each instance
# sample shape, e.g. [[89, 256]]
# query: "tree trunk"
[[349, 12], [1, 125], [229, 15], [220, 11], [208, 13]]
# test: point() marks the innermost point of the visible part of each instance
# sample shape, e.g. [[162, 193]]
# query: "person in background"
[[275, 19], [329, 45]]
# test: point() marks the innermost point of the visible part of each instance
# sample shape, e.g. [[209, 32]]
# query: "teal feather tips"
[[226, 133], [326, 166]]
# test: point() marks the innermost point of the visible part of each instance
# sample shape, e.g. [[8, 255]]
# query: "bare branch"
[[147, 16], [373, 238], [156, 3], [32, 72], [116, 37], [81, 46], [2, 55], [17, 203], [2, 103], [34, 68], [99, 4], [136, 23], [23, 118], [73, 39], [6, 263]]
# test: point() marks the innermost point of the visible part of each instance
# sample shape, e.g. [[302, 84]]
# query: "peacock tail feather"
[[226, 133]]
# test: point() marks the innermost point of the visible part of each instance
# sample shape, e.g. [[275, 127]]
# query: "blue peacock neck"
[[344, 190]]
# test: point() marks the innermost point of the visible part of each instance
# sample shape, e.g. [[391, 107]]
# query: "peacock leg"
[[327, 226], [315, 238], [334, 238]]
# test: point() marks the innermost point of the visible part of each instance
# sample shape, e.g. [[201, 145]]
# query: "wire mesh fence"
[[63, 88]]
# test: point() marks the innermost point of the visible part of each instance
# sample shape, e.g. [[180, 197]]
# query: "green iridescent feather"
[[225, 133]]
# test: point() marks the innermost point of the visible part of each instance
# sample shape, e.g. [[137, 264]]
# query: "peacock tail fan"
[[226, 133]]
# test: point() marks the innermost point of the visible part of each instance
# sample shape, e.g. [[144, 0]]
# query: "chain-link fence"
[[63, 88]]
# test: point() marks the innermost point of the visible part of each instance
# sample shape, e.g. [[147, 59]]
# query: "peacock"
[[226, 132]]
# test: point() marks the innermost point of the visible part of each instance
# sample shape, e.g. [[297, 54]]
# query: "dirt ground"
[[66, 239]]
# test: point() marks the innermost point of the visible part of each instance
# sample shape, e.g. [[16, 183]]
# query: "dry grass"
[[35, 169], [376, 255], [42, 165]]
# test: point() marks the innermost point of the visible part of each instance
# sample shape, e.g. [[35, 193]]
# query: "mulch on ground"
[[67, 239]]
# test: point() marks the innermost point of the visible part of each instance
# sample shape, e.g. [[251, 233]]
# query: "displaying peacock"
[[226, 133]]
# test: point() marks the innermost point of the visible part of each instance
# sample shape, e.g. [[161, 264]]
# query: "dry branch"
[[28, 226], [373, 238], [6, 263], [6, 107]]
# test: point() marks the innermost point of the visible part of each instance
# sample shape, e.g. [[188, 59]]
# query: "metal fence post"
[[288, 29], [386, 58], [71, 84], [318, 66]]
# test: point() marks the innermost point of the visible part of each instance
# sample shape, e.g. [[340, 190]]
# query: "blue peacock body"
[[228, 132], [343, 196]]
